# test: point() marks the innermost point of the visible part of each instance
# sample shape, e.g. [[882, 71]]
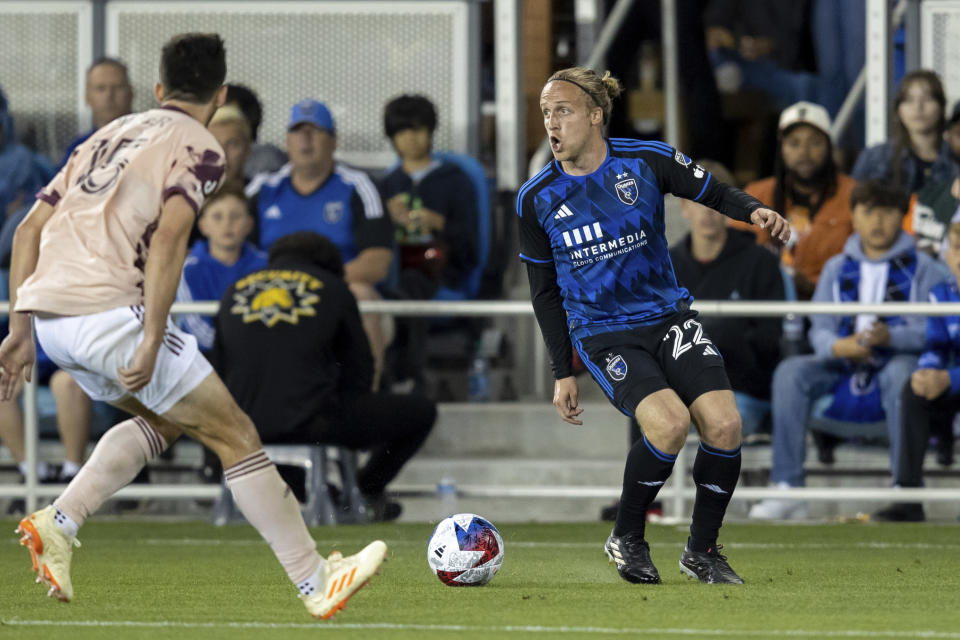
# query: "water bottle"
[[447, 492], [479, 382]]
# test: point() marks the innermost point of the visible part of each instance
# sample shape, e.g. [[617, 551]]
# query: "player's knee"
[[724, 429], [670, 430]]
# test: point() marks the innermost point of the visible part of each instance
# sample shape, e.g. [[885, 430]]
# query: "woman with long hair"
[[917, 152]]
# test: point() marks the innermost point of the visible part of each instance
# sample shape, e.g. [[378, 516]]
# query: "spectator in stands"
[[715, 263], [22, 172], [108, 94], [264, 158], [316, 193], [762, 46], [220, 258], [933, 206], [933, 393], [813, 196], [232, 130], [433, 207], [864, 360], [918, 153], [74, 417], [290, 348]]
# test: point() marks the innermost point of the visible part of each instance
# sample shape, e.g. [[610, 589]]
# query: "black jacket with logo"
[[288, 342], [743, 271]]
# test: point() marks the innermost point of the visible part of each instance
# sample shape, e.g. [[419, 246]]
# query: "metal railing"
[[678, 492]]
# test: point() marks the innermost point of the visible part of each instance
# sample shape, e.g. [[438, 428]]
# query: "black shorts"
[[674, 354]]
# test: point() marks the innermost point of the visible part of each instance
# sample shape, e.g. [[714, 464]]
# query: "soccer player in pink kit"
[[95, 266]]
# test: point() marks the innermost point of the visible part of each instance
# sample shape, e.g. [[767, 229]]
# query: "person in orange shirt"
[[811, 193]]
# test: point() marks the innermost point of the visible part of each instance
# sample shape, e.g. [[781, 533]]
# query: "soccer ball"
[[465, 551]]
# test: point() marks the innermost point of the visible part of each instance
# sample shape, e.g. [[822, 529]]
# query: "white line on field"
[[218, 542], [213, 542], [388, 626]]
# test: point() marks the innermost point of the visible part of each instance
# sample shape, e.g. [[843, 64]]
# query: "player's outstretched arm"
[[168, 249], [17, 352], [566, 397]]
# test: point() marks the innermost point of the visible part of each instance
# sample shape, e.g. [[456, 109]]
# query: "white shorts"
[[92, 347]]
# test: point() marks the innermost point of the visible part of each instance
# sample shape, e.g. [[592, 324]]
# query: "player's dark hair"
[[600, 90], [824, 181], [115, 62], [248, 102], [310, 247], [231, 188], [901, 137], [880, 193], [192, 67], [409, 112]]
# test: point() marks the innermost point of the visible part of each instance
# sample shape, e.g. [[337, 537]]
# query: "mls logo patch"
[[682, 159], [627, 191], [332, 212], [616, 367]]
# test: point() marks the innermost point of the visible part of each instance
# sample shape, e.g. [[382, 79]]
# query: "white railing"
[[677, 492]]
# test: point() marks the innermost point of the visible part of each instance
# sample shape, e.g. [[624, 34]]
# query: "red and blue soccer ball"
[[465, 551]]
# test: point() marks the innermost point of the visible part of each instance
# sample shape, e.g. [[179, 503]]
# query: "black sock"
[[715, 472], [646, 470]]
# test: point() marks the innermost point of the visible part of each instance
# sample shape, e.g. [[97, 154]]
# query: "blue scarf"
[[856, 397]]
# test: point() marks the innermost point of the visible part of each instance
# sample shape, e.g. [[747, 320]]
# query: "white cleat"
[[344, 576], [50, 552]]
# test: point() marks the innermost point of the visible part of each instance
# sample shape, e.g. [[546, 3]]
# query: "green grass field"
[[191, 580]]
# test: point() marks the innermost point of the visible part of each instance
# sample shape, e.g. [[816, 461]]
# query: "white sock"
[[270, 506], [66, 523], [312, 584], [43, 469], [116, 460], [69, 469]]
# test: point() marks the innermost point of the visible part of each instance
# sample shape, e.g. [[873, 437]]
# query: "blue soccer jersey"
[[346, 209], [604, 233], [942, 349]]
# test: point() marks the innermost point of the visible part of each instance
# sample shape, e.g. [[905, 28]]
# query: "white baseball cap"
[[805, 113]]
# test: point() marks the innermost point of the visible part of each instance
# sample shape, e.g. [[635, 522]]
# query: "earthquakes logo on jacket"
[[276, 295]]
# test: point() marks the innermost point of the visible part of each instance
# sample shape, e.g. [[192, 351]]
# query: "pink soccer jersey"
[[108, 198]]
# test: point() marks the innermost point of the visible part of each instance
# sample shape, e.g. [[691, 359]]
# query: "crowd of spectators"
[[889, 231]]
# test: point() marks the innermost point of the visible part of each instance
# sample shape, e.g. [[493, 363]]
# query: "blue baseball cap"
[[314, 112]]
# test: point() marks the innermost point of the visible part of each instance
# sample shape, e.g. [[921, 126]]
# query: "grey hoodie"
[[904, 338]]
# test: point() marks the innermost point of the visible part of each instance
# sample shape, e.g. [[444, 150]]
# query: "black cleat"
[[901, 512], [631, 554], [709, 567]]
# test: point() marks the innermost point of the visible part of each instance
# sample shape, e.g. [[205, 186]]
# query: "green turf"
[[845, 580]]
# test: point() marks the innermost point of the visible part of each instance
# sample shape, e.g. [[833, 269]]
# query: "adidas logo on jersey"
[[273, 213], [563, 212], [583, 234], [710, 351]]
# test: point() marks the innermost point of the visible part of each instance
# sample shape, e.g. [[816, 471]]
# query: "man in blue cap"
[[313, 192]]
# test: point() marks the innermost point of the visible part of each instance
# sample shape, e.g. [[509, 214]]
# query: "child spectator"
[[219, 259], [433, 206], [863, 360]]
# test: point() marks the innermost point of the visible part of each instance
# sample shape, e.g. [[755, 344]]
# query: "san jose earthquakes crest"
[[627, 191], [616, 367]]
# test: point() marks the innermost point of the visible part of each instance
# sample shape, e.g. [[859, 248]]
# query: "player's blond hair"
[[601, 90]]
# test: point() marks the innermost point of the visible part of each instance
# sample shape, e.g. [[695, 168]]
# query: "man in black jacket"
[[717, 263], [291, 348]]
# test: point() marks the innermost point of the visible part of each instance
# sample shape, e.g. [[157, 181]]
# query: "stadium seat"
[[319, 508]]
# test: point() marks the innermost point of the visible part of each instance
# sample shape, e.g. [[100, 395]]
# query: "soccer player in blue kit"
[[601, 280]]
